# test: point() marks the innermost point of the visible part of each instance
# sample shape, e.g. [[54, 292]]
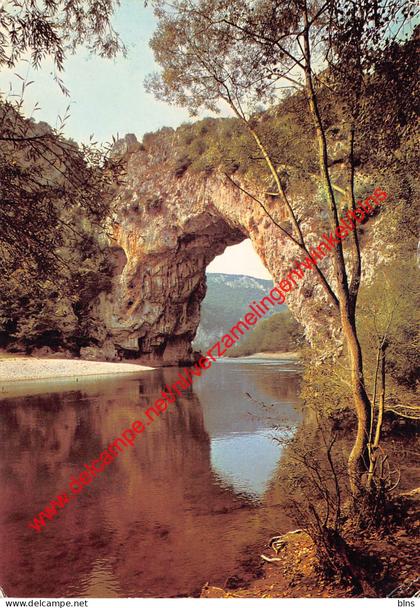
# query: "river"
[[187, 505]]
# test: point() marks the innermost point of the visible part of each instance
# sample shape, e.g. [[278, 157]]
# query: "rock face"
[[166, 230]]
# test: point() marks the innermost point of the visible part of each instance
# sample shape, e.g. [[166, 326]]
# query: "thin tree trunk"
[[358, 459], [298, 237], [359, 456], [380, 418], [357, 258], [381, 401]]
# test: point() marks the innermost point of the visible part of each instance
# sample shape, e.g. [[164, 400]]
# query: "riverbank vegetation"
[[54, 193], [280, 333]]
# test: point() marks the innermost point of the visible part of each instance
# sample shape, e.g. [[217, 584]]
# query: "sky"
[[240, 259], [107, 98]]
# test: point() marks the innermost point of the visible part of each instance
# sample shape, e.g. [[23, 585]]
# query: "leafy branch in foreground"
[[53, 28]]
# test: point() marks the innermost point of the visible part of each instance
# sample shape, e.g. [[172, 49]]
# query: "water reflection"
[[168, 515], [242, 399]]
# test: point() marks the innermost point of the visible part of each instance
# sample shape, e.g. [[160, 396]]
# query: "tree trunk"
[[358, 459], [381, 408], [358, 462]]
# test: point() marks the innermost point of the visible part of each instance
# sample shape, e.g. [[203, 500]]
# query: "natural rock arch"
[[166, 230]]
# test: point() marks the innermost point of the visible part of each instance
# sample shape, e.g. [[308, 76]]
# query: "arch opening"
[[155, 309]]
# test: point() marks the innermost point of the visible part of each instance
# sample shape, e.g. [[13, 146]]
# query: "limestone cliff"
[[166, 229]]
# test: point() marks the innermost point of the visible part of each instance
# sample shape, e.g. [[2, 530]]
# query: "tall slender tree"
[[247, 53]]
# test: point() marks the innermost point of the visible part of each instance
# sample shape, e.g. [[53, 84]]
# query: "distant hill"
[[226, 301], [277, 334]]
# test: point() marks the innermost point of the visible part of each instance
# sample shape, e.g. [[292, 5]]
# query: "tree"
[[54, 194], [28, 221], [54, 205], [279, 333], [45, 28], [44, 179], [243, 53]]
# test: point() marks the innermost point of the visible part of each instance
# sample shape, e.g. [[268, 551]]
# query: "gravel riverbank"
[[16, 369]]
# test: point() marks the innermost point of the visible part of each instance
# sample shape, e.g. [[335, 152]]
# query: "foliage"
[[54, 194], [44, 180], [279, 333], [349, 92], [390, 308], [388, 120], [55, 198], [389, 324], [221, 144], [50, 28], [314, 495]]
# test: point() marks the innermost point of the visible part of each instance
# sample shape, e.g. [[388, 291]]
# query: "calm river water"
[[183, 507]]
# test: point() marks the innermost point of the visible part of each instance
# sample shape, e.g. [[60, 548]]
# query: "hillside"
[[226, 299], [280, 333]]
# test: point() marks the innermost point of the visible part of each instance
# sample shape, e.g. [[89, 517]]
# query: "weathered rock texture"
[[166, 231]]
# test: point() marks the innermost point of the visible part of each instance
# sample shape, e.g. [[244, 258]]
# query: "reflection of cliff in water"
[[158, 522]]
